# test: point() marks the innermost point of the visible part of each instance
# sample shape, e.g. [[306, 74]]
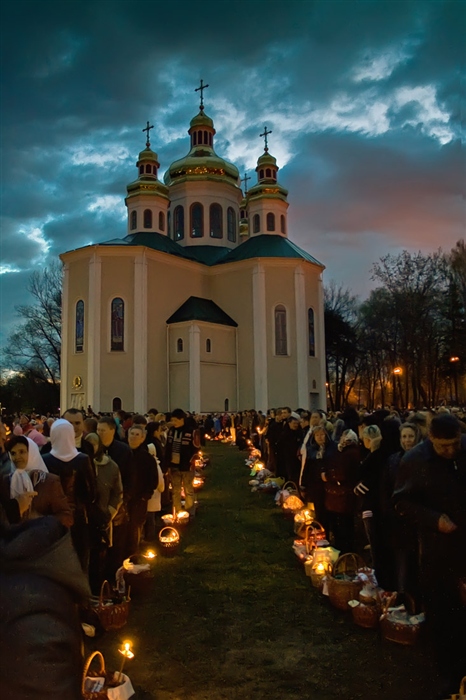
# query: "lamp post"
[[397, 372], [454, 365]]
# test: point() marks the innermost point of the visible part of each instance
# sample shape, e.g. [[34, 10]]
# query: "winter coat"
[[77, 479], [121, 453], [189, 446], [288, 457], [145, 474], [41, 582], [428, 486], [341, 471], [50, 499]]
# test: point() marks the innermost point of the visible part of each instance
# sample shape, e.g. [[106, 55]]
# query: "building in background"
[[205, 304]]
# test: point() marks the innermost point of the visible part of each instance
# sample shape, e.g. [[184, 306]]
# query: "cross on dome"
[[245, 180], [265, 134], [148, 128], [202, 87]]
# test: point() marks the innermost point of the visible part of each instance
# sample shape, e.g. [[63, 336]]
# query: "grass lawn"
[[233, 616]]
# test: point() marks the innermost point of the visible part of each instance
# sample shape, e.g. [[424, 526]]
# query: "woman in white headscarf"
[[30, 485], [77, 479]]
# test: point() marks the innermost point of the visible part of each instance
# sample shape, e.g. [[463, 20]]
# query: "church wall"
[[169, 283], [231, 289], [218, 382], [77, 289], [179, 386], [316, 364], [117, 367], [281, 370]]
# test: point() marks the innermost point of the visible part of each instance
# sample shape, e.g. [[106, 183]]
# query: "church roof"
[[268, 246], [264, 246], [199, 309]]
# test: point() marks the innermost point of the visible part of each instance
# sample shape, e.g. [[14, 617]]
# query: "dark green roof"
[[268, 245], [199, 309]]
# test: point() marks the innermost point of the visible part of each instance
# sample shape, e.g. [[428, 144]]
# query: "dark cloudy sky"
[[364, 100]]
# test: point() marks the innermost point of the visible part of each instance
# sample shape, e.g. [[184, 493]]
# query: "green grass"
[[233, 615]]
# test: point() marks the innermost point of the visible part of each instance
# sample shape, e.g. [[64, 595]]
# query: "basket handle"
[[88, 664], [169, 527], [105, 587], [356, 559], [291, 483]]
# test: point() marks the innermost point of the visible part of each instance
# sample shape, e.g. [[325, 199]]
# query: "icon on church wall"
[[79, 326], [118, 324]]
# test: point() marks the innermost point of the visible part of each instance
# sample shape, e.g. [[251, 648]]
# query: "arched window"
[[243, 214], [270, 221], [79, 338], [206, 138], [256, 223], [178, 224], [134, 220], [161, 221], [147, 218], [154, 170], [116, 404], [216, 221], [281, 344], [268, 173], [208, 345], [141, 170], [197, 220], [194, 138], [200, 138], [282, 223], [210, 139], [231, 224], [312, 338], [179, 345], [148, 168], [261, 174], [168, 222], [117, 333], [227, 404]]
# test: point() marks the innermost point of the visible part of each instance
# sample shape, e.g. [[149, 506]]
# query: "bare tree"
[[36, 345]]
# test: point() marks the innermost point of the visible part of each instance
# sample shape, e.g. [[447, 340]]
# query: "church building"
[[205, 304]]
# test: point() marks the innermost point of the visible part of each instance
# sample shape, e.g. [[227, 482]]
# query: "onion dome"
[[267, 185], [147, 182], [202, 163]]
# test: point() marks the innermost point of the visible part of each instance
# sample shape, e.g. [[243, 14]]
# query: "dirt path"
[[234, 617]]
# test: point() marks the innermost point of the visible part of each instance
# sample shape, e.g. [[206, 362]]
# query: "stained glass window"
[[79, 347], [117, 324]]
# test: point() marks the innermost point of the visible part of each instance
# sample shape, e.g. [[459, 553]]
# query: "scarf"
[[63, 441], [20, 479]]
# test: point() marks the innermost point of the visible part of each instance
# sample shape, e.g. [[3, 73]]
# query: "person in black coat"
[[41, 583], [288, 456], [145, 481], [320, 450], [430, 491]]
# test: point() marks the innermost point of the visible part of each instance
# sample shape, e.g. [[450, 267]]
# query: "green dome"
[[148, 154], [267, 159], [201, 163], [201, 119]]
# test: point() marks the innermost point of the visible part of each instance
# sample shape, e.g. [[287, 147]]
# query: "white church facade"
[[205, 304]]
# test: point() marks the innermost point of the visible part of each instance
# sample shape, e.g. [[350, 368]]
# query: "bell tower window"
[[161, 221], [261, 174], [134, 220], [149, 169], [141, 170], [216, 221], [147, 218], [270, 222], [282, 224], [231, 225], [197, 220], [194, 138], [256, 223], [268, 173], [178, 223]]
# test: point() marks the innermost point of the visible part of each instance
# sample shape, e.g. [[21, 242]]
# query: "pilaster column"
[[194, 368], [260, 338], [320, 345], [65, 333], [140, 333], [302, 373], [94, 330]]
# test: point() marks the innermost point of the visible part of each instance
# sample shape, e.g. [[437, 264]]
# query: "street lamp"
[[397, 372], [454, 359]]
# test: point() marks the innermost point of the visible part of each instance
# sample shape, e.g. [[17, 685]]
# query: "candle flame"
[[149, 554], [126, 651]]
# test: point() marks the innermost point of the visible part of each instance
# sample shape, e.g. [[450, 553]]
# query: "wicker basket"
[[112, 680], [341, 590], [366, 615], [315, 532], [292, 489], [168, 547], [396, 631], [112, 615]]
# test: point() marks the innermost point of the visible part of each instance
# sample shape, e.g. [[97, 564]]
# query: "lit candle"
[[127, 654], [149, 554]]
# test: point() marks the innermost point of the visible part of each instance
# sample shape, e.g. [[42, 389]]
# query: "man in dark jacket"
[[145, 481], [430, 491], [121, 453], [41, 582], [182, 444]]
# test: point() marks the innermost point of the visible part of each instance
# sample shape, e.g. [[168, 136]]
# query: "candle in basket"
[[127, 654]]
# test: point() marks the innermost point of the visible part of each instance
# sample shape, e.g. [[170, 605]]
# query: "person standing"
[[430, 491], [145, 481], [76, 418], [182, 445]]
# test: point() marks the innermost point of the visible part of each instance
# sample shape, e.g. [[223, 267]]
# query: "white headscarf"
[[63, 441], [20, 481]]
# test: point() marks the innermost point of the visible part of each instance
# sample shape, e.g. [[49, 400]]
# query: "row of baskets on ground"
[[347, 580], [109, 611]]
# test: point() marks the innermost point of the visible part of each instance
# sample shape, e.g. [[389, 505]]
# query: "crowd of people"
[[93, 486]]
